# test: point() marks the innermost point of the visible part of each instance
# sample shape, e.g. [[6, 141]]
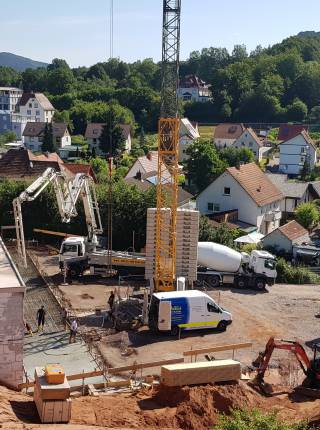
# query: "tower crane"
[[168, 150]]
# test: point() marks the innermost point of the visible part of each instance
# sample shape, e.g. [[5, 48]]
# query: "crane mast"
[[168, 150]]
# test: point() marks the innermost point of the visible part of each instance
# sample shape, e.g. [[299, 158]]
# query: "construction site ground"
[[286, 311]]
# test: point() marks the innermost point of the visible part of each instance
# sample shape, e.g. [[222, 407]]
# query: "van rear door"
[[164, 316]]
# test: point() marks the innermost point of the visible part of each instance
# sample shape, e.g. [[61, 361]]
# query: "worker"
[[73, 331], [28, 328], [111, 301], [41, 315]]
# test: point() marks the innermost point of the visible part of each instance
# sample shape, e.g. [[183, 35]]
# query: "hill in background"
[[19, 63]]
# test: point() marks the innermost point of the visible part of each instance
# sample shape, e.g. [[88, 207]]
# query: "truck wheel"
[[241, 282], [214, 281], [74, 271], [260, 284], [174, 331], [222, 326]]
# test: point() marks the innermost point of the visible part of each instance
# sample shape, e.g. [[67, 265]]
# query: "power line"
[[111, 29]]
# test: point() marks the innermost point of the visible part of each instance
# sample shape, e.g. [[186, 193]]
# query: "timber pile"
[[52, 400], [178, 375]]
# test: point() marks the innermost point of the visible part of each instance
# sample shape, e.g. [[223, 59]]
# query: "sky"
[[78, 30]]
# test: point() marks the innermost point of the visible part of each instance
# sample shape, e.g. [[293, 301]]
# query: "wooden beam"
[[218, 348], [54, 233], [113, 370]]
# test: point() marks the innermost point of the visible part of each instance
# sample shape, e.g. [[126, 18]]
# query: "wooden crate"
[[53, 411], [177, 375], [50, 391]]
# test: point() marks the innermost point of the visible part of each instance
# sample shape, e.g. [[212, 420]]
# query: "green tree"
[[48, 144], [307, 214], [297, 111], [112, 141], [60, 80], [9, 77], [314, 115], [7, 136], [203, 164], [221, 234], [235, 156], [34, 80]]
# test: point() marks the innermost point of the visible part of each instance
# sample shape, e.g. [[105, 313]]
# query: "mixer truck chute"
[[218, 264]]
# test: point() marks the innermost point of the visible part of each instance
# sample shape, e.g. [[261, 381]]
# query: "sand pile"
[[188, 408]]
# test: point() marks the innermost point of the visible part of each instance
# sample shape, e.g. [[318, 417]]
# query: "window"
[[216, 208], [38, 112], [302, 159], [30, 105], [36, 105], [210, 207], [226, 191], [250, 144], [94, 140], [242, 143], [212, 308], [28, 112], [270, 264]]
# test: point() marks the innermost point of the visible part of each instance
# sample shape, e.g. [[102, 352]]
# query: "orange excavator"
[[310, 367]]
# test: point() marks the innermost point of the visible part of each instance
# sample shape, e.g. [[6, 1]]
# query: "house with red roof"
[[296, 152], [94, 131], [192, 88], [288, 131], [247, 190]]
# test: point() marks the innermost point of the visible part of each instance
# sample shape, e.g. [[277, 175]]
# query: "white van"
[[186, 310]]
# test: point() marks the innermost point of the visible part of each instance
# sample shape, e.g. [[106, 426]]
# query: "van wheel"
[[222, 326], [174, 331], [241, 282], [260, 284]]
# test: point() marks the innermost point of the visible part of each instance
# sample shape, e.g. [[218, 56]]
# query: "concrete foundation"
[[11, 321]]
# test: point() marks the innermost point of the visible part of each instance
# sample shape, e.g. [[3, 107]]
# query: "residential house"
[[9, 98], [297, 151], [192, 88], [32, 107], [189, 132], [294, 192], [146, 165], [249, 191], [93, 133], [149, 180], [250, 140], [288, 131], [225, 135], [23, 164], [72, 170], [34, 132], [285, 237]]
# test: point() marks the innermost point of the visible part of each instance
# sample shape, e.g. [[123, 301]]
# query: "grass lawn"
[[206, 131]]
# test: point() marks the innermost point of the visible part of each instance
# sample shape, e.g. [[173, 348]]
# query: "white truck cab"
[[186, 310], [263, 263]]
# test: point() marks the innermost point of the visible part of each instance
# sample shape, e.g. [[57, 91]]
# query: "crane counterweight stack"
[[168, 150]]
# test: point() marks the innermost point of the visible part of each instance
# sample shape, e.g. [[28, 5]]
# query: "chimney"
[[149, 156]]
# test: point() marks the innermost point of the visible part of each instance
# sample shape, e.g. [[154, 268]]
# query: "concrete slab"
[[53, 347]]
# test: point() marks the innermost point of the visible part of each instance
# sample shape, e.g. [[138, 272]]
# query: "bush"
[[255, 420], [288, 274]]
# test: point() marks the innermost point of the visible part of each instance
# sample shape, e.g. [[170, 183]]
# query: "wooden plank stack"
[[207, 372], [52, 400]]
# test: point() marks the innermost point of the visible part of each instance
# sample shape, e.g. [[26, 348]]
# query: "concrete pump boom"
[[67, 194]]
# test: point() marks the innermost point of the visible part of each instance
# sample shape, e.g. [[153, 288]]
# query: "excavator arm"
[[262, 362]]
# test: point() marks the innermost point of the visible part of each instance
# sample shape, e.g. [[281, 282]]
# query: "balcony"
[[272, 216]]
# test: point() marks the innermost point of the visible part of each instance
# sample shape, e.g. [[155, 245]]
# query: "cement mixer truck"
[[218, 264]]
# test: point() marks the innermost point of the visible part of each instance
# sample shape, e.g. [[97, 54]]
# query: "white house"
[[297, 151], [93, 133], [225, 135], [192, 88], [32, 107], [147, 165], [245, 189], [250, 140], [34, 132], [189, 132], [286, 236]]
